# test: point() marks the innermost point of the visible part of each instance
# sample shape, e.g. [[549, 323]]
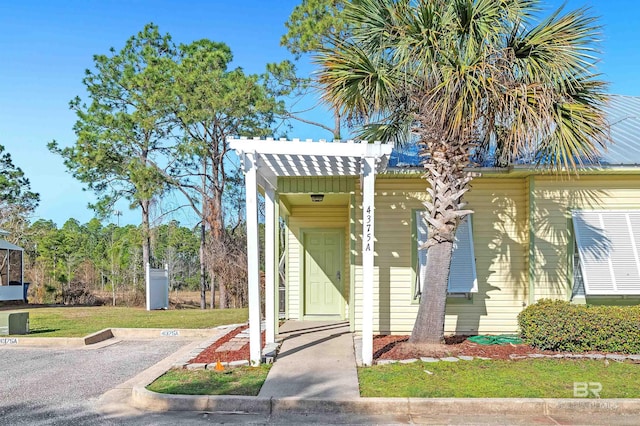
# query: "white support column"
[[368, 236], [253, 259], [276, 267], [269, 264]]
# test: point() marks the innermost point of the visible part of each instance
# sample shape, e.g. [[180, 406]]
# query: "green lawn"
[[233, 381], [535, 378], [80, 321]]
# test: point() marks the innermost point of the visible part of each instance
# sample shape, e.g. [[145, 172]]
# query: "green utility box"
[[14, 323]]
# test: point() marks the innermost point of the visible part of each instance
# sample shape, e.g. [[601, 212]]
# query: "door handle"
[[338, 275]]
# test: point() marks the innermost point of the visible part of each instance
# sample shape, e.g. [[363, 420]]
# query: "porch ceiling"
[[283, 157]]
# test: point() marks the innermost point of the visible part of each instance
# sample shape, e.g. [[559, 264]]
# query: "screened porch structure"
[[264, 161], [11, 270]]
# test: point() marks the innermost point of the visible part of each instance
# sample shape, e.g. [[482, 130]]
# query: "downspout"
[[532, 238]]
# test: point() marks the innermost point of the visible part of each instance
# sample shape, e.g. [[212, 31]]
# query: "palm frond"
[[354, 82], [559, 46], [580, 129], [394, 127]]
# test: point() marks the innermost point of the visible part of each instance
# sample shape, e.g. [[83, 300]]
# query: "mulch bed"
[[398, 348], [387, 347], [209, 355]]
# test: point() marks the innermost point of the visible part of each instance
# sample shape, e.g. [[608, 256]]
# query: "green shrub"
[[561, 326]]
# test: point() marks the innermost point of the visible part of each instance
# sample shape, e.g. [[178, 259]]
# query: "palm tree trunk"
[[337, 121], [429, 326]]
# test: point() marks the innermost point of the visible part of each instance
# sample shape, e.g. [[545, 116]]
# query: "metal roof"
[[5, 245], [623, 115], [624, 123]]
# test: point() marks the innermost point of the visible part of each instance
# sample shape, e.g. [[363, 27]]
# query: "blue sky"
[[45, 47]]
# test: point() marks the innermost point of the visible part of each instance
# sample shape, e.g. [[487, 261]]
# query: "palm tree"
[[469, 81]]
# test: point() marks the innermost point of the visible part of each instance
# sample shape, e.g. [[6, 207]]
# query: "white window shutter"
[[462, 275], [578, 281], [608, 243], [422, 235], [462, 278]]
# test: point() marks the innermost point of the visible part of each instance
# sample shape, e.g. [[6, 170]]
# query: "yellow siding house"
[[349, 213]]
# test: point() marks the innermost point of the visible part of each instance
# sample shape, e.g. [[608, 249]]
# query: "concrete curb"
[[42, 342], [98, 336], [151, 401], [525, 406], [110, 333], [166, 333]]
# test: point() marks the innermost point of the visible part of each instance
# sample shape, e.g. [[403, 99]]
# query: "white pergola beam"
[[308, 148], [253, 259], [266, 178], [368, 237]]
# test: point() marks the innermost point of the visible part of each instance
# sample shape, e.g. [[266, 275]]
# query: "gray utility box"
[[14, 323]]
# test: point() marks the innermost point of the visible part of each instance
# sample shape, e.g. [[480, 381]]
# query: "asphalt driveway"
[[60, 386]]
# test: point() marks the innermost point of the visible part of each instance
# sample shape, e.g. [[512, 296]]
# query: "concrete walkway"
[[316, 360]]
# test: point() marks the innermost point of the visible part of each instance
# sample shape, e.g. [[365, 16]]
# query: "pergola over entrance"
[[263, 161]]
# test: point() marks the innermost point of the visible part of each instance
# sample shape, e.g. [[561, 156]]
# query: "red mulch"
[[398, 348], [387, 347], [209, 355]]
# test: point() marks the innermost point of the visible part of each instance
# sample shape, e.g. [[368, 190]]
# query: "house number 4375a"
[[367, 226]]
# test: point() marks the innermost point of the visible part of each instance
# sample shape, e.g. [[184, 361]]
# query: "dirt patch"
[[398, 348]]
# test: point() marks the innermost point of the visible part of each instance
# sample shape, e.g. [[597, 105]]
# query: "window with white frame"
[[462, 275], [606, 262]]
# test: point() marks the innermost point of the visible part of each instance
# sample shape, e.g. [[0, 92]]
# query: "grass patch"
[[233, 381], [80, 321], [535, 378]]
